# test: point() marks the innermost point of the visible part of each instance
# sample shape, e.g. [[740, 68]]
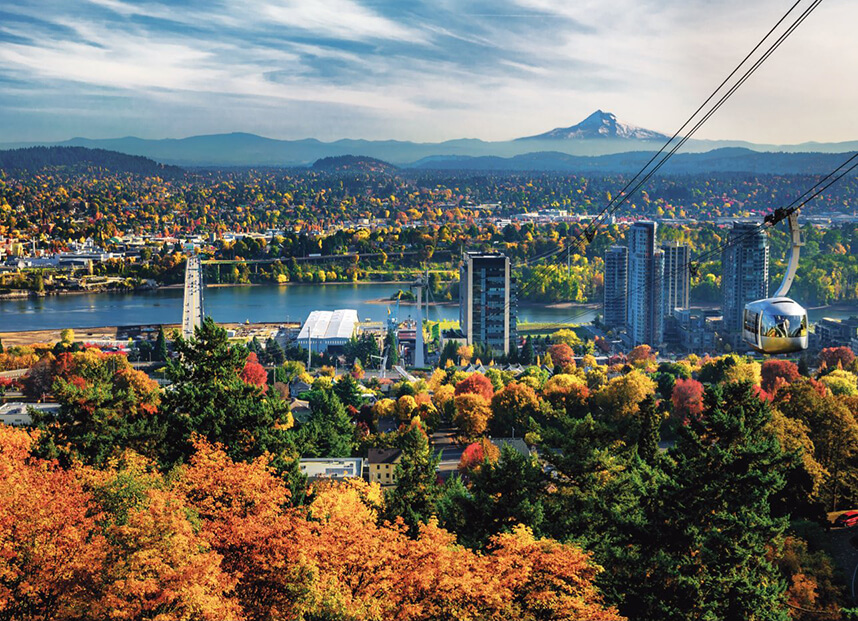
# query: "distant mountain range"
[[599, 134], [725, 160]]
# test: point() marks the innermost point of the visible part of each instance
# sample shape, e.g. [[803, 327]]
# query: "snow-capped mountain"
[[599, 125]]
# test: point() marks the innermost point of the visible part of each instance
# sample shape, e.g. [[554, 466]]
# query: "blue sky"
[[415, 70]]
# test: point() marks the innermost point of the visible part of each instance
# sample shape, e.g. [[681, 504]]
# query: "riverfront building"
[[328, 330], [487, 301]]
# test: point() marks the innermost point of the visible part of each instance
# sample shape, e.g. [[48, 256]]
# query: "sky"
[[416, 70]]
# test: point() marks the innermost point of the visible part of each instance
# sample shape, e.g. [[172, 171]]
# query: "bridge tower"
[[192, 309]]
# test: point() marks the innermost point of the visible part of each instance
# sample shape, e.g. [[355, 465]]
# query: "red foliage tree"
[[831, 356], [476, 384], [475, 454], [253, 372], [561, 355], [772, 370], [687, 399]]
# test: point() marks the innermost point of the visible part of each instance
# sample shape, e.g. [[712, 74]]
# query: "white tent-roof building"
[[325, 329]]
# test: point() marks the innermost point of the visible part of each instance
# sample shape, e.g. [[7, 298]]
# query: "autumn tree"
[[52, 551], [253, 372], [776, 371], [687, 399], [476, 454], [619, 399], [476, 384], [472, 414], [561, 355], [513, 407], [105, 406], [834, 357]]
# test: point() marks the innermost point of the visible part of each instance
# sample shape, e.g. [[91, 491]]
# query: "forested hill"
[[38, 158], [344, 163]]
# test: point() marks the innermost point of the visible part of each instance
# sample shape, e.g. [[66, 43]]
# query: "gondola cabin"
[[776, 326]]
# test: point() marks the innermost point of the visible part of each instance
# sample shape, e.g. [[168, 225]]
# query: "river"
[[265, 303]]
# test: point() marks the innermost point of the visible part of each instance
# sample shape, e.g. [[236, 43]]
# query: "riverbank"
[[123, 333]]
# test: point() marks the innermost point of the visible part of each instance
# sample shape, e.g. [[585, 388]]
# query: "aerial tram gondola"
[[778, 325]]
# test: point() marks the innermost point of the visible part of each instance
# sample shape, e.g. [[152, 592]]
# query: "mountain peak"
[[599, 126]]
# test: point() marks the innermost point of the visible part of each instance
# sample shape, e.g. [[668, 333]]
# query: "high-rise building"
[[645, 308], [487, 301], [744, 273], [616, 286], [676, 276]]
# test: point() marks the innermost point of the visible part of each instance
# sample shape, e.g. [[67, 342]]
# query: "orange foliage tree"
[[476, 384]]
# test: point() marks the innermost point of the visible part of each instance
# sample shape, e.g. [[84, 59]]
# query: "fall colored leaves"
[[218, 539]]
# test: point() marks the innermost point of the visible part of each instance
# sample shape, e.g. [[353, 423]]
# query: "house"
[[382, 465], [516, 444], [331, 467]]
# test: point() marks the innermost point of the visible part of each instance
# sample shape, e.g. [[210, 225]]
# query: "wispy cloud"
[[423, 69]]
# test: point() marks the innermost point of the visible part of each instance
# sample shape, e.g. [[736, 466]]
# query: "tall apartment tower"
[[487, 301], [676, 276], [744, 272], [616, 286], [645, 308]]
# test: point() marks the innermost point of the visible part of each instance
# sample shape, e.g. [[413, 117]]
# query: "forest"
[[701, 488]]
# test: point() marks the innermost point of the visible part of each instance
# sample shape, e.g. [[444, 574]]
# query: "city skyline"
[[109, 68]]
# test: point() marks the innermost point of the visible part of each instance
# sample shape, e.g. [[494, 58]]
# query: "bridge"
[[192, 313]]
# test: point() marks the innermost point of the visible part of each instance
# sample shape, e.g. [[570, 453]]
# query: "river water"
[[266, 303]]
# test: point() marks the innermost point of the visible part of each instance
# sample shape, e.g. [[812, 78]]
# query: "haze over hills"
[[599, 134]]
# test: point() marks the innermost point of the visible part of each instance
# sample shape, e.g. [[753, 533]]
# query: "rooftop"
[[338, 324]]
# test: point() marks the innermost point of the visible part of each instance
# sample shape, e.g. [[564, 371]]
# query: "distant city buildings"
[[744, 277], [645, 307], [616, 287], [676, 277], [487, 302]]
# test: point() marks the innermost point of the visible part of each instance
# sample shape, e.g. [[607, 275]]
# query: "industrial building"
[[328, 331]]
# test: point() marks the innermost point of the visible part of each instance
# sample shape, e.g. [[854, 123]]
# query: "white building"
[[331, 467], [17, 414], [326, 329]]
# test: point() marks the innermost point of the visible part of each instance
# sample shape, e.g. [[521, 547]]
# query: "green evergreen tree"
[[501, 495], [417, 490], [391, 348], [273, 352], [162, 354], [702, 551], [449, 352], [650, 422], [208, 398], [329, 432], [527, 356], [1, 347], [348, 391]]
